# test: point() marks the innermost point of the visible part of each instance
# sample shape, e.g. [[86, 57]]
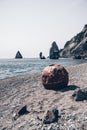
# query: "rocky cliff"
[[77, 46], [54, 51]]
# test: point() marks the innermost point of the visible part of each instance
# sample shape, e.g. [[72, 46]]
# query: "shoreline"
[[10, 68], [28, 89]]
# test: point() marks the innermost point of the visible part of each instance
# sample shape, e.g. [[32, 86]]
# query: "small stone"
[[80, 95], [51, 116], [21, 110]]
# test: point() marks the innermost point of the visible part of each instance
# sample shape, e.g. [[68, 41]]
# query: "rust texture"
[[55, 76]]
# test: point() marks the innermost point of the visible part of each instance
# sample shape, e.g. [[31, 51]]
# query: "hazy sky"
[[30, 26]]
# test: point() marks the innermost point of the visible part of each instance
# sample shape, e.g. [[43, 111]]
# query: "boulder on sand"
[[55, 77]]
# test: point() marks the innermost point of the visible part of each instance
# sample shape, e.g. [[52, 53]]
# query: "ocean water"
[[13, 67]]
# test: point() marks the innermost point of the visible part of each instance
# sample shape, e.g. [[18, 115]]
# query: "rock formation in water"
[[54, 51], [18, 55], [41, 56], [77, 46]]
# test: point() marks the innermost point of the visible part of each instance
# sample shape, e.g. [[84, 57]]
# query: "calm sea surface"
[[13, 67]]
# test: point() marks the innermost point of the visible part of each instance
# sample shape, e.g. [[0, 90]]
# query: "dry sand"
[[28, 90]]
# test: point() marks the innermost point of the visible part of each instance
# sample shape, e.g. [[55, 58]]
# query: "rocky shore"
[[28, 90], [76, 47]]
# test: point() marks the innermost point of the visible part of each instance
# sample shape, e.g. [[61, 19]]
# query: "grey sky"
[[32, 25]]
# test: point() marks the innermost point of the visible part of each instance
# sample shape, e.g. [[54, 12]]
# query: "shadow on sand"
[[63, 89], [69, 88]]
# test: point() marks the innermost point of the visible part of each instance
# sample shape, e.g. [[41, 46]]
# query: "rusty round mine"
[[55, 77]]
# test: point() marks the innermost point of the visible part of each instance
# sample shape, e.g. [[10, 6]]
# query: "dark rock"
[[41, 56], [54, 51], [18, 55], [77, 46], [77, 57], [55, 77], [51, 116], [19, 111], [80, 95]]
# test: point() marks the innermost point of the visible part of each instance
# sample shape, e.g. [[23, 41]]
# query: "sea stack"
[[54, 51], [18, 55], [41, 56]]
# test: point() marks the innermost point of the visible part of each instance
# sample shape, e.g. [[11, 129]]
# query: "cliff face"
[[54, 51], [77, 45]]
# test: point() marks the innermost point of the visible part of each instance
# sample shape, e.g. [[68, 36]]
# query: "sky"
[[31, 26]]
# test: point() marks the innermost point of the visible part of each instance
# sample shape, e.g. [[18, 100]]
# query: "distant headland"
[[75, 48]]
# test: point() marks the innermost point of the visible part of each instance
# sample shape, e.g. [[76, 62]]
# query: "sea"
[[14, 67]]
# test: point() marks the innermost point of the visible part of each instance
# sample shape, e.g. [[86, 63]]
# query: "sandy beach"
[[28, 90]]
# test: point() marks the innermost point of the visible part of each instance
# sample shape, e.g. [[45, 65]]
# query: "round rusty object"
[[55, 77]]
